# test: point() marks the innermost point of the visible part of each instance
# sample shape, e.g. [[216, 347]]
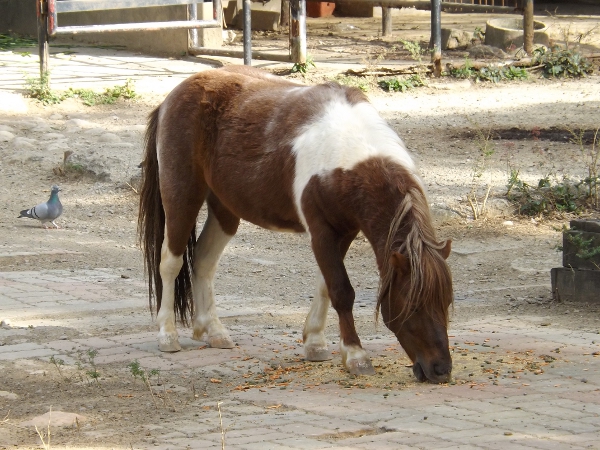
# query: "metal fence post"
[[247, 10], [436, 37], [298, 31]]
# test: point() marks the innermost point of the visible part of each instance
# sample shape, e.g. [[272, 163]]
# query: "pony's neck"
[[404, 212]]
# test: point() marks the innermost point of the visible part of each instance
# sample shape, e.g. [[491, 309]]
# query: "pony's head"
[[416, 288], [414, 301]]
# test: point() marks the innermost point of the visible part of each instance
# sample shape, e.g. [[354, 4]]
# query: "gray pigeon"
[[46, 212]]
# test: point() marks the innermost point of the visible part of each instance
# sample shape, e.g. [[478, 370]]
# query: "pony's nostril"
[[442, 369]]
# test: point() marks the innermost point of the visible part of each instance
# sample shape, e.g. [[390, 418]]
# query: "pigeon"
[[46, 212]]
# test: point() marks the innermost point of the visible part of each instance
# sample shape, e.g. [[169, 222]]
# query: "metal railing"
[[48, 20]]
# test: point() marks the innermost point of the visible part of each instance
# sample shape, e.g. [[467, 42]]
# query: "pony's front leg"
[[170, 265], [208, 250], [329, 249], [315, 345]]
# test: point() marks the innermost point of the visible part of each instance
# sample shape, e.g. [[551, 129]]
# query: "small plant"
[[402, 85], [58, 363], [304, 67], [86, 365], [39, 89], [591, 156], [558, 63], [486, 149], [585, 247], [415, 51], [136, 371]]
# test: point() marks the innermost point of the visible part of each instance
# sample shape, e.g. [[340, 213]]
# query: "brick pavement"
[[555, 409]]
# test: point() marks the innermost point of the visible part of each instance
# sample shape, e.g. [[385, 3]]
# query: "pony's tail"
[[151, 229]]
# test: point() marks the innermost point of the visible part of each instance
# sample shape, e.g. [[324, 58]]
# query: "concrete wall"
[[18, 16]]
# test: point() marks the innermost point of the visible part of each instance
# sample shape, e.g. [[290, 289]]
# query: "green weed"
[[108, 97], [562, 63], [486, 148], [492, 74], [8, 42], [39, 89], [304, 67], [402, 85], [558, 193]]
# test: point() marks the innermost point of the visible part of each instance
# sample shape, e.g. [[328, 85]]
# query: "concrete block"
[[208, 37], [589, 225], [575, 285]]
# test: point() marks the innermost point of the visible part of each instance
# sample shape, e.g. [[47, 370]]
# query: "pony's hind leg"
[[170, 265], [219, 228], [315, 344]]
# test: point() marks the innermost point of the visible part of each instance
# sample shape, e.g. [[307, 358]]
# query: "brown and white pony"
[[288, 157]]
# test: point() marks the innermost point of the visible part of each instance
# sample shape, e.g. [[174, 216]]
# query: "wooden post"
[[285, 13], [42, 29], [528, 26], [386, 20]]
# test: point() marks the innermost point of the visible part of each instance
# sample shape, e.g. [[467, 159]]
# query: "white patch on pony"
[[170, 265], [343, 136], [209, 248]]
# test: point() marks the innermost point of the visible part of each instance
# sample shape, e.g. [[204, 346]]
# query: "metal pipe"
[[436, 37], [200, 51], [193, 33], [146, 26], [247, 11], [298, 31]]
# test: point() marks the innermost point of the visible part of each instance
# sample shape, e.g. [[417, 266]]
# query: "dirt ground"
[[500, 263]]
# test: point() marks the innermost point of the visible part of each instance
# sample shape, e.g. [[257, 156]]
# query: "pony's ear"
[[399, 262], [446, 250]]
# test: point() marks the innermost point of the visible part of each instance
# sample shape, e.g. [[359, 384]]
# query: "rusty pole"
[[436, 37], [298, 31], [528, 26]]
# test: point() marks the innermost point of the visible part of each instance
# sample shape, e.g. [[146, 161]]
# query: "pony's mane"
[[430, 282]]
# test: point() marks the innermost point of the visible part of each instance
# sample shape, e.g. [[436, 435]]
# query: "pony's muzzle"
[[438, 373]]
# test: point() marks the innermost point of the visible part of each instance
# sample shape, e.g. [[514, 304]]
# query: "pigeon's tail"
[[151, 226], [27, 213]]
